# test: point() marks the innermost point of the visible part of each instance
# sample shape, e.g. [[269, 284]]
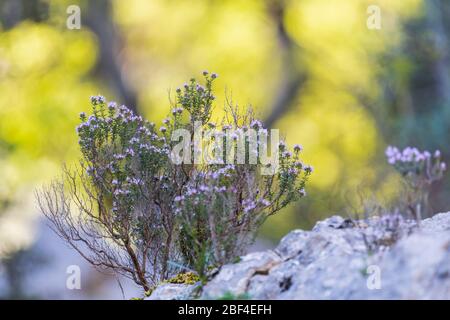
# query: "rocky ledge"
[[376, 258]]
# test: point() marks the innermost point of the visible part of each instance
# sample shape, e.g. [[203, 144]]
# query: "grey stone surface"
[[173, 291], [377, 258]]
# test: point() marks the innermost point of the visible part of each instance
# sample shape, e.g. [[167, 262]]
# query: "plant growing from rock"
[[130, 207], [420, 169]]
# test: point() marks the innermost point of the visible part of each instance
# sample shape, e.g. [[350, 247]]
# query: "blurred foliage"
[[363, 89], [43, 86]]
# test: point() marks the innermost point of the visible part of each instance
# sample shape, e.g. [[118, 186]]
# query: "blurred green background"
[[311, 68]]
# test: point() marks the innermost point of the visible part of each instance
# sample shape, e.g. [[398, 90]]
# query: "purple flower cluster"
[[135, 149], [256, 124], [297, 148], [413, 156], [407, 155], [249, 205], [177, 111], [95, 100], [196, 98], [421, 167]]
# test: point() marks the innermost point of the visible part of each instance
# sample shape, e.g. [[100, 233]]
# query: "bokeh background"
[[311, 68]]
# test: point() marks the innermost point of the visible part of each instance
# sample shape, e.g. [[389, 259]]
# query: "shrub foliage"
[[128, 207]]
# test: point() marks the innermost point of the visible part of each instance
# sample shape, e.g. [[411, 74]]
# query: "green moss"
[[237, 259], [149, 292], [232, 296], [185, 278]]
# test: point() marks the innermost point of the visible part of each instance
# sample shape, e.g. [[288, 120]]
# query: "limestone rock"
[[172, 291], [377, 258]]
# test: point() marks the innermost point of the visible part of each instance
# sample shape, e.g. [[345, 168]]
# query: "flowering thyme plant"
[[419, 169], [144, 215]]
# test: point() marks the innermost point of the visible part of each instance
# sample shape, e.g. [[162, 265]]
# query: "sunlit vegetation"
[[345, 91]]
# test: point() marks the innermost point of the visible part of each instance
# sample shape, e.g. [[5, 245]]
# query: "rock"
[[234, 278], [378, 258], [335, 222], [292, 244], [439, 222], [170, 291]]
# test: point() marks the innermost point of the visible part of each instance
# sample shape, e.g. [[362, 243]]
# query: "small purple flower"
[[134, 140], [256, 124], [112, 105], [78, 128], [118, 192], [129, 152], [298, 164], [249, 205], [234, 136], [119, 156], [90, 171], [220, 189], [191, 191], [297, 148], [178, 198], [286, 154], [134, 181], [95, 100]]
